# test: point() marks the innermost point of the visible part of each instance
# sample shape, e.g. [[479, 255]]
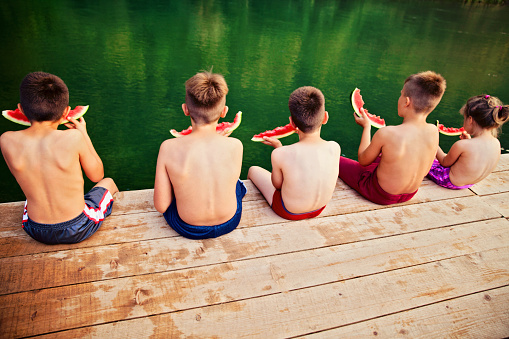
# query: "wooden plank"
[[500, 202], [151, 225], [497, 182], [480, 315], [112, 300], [115, 229], [78, 265], [285, 314], [503, 163]]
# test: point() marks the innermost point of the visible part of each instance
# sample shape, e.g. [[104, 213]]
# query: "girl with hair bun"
[[476, 155]]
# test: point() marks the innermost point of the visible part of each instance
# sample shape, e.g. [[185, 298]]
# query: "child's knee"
[[251, 172], [109, 184]]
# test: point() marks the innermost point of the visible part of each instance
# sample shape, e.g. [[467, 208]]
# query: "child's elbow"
[[161, 208]]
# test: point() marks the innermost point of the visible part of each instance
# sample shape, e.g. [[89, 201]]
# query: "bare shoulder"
[[333, 145], [11, 140], [6, 137], [235, 143]]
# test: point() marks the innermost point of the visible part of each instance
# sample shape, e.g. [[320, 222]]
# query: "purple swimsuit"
[[440, 176]]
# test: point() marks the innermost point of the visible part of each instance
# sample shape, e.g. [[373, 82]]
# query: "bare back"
[[407, 153], [46, 165], [309, 173], [202, 169], [476, 159]]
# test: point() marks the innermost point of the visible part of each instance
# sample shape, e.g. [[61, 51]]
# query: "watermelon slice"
[[358, 103], [450, 131], [18, 117], [278, 132], [224, 126]]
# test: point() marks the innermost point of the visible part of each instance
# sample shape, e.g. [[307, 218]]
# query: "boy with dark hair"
[[197, 186], [392, 165], [47, 164], [304, 174]]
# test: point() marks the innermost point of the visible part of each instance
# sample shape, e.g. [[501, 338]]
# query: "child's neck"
[[204, 128], [44, 125], [415, 118], [309, 137]]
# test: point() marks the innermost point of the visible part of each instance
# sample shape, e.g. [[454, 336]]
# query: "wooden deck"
[[437, 266]]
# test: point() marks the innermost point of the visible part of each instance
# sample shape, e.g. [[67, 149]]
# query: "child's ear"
[[65, 114], [407, 102], [20, 108], [292, 123], [184, 108], [325, 118], [224, 111]]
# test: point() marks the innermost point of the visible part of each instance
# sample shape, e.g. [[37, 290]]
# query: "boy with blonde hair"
[[197, 186], [47, 163], [392, 165], [304, 174]]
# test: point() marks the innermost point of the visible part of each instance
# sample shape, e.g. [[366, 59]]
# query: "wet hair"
[[425, 89], [487, 111], [307, 108], [43, 96], [205, 94]]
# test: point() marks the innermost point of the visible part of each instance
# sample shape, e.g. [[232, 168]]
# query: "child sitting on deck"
[[304, 174], [47, 163], [197, 186], [476, 155], [392, 165]]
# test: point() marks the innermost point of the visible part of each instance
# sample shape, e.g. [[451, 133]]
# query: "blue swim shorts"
[[98, 205], [203, 232]]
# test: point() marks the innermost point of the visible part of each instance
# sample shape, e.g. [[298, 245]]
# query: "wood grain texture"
[[436, 266]]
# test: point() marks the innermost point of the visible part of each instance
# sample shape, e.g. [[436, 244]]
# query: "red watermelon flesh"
[[224, 126], [450, 131], [278, 132], [358, 103], [18, 117]]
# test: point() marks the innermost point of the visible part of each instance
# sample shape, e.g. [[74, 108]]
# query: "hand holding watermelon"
[[80, 124], [362, 120]]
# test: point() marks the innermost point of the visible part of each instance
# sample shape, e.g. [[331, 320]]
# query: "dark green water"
[[129, 60]]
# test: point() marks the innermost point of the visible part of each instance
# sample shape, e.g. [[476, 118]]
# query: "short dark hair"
[[204, 93], [487, 111], [425, 89], [307, 108], [43, 96]]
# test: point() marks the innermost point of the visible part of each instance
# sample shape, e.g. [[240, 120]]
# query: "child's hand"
[[363, 120], [225, 133], [274, 142], [79, 125], [465, 135]]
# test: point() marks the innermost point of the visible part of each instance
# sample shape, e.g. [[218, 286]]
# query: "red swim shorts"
[[279, 207]]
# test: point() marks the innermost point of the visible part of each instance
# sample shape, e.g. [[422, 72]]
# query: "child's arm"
[[277, 173], [368, 149], [163, 191], [448, 159], [89, 159]]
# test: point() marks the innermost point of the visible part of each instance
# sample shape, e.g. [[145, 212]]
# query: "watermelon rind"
[[224, 126], [374, 120], [77, 113], [8, 115], [285, 131], [449, 131]]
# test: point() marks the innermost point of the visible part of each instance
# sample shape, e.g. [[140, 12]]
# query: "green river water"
[[129, 60]]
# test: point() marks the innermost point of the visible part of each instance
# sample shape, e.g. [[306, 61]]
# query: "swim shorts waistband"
[[278, 206]]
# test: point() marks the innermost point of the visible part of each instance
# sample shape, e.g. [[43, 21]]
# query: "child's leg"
[[261, 178], [109, 184]]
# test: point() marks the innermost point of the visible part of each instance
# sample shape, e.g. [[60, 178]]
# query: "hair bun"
[[501, 114]]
